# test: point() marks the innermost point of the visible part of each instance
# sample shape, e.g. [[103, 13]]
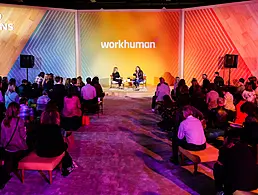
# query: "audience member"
[[240, 86], [68, 83], [13, 139], [240, 116], [26, 113], [193, 87], [236, 167], [249, 94], [98, 88], [11, 95], [80, 83], [89, 95], [175, 85], [229, 103], [162, 90], [23, 89], [72, 111], [39, 79], [183, 98], [50, 142], [218, 80], [42, 102], [58, 93], [205, 83], [212, 97]]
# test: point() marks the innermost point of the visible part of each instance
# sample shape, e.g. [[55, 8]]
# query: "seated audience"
[[71, 113], [249, 94], [212, 97], [98, 88], [183, 97], [49, 140], [193, 87], [191, 129], [42, 102], [89, 96], [13, 139], [240, 86], [167, 110], [26, 113], [58, 93], [229, 103], [240, 116], [11, 95], [162, 90], [24, 89], [218, 121], [236, 167], [116, 76]]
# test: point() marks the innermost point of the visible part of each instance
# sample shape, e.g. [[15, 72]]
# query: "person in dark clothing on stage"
[[218, 81]]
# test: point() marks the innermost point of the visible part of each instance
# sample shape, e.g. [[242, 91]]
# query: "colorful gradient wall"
[[161, 27], [211, 33], [49, 35]]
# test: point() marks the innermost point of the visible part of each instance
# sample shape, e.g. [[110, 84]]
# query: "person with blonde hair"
[[49, 139], [116, 76], [13, 140], [11, 95]]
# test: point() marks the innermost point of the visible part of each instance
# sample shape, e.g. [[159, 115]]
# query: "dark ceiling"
[[117, 4]]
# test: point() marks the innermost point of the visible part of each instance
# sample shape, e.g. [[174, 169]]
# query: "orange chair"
[[34, 162]]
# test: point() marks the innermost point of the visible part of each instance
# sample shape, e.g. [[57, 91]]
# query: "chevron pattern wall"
[[53, 45], [206, 43], [161, 27]]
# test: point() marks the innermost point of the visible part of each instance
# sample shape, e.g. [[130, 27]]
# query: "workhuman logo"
[[5, 26], [123, 44]]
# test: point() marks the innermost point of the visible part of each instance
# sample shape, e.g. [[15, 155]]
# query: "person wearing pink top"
[[71, 112]]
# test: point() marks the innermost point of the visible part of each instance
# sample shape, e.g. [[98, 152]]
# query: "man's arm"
[[181, 131]]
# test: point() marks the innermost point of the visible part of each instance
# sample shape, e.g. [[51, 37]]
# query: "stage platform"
[[129, 92]]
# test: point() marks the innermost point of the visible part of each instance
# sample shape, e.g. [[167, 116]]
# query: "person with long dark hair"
[[138, 76], [49, 139], [13, 139]]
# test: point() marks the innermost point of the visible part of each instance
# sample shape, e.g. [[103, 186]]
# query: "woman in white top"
[[229, 100], [249, 94]]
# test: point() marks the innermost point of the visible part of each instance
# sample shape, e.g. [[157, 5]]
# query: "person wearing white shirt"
[[89, 96], [162, 90], [191, 130], [249, 94]]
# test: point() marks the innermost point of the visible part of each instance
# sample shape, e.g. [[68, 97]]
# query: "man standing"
[[218, 81], [58, 93], [205, 83]]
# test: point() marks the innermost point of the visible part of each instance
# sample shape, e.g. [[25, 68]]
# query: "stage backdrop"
[[212, 32], [49, 35], [157, 30]]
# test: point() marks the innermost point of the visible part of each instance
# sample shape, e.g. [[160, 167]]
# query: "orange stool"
[[85, 120]]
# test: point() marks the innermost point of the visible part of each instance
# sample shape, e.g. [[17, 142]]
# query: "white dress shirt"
[[162, 89], [191, 129], [88, 92]]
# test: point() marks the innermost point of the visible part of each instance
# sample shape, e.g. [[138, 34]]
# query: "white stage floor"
[[129, 92]]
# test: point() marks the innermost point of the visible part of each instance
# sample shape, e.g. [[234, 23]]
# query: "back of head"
[[50, 117], [95, 80], [71, 92], [68, 81], [248, 108], [58, 79], [12, 82], [45, 92], [23, 100], [181, 83], [242, 80], [74, 81], [88, 80], [24, 81], [187, 111], [51, 106], [12, 111], [184, 90], [221, 102], [41, 74], [161, 80], [216, 73]]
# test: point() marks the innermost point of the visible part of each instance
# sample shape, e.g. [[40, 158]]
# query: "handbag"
[[2, 149]]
